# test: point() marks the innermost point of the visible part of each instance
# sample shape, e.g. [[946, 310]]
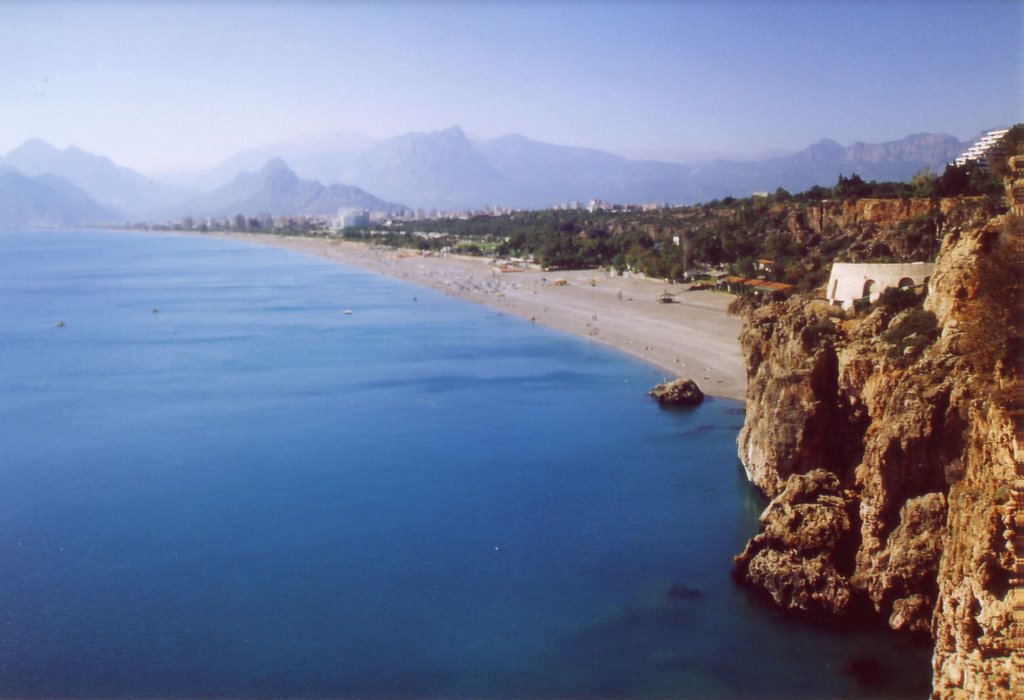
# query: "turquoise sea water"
[[215, 484]]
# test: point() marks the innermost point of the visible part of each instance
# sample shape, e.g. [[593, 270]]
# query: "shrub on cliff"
[[919, 236], [811, 336], [970, 179], [896, 299], [910, 332], [1011, 145]]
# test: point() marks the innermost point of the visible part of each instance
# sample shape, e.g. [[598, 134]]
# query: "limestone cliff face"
[[869, 228], [978, 624], [891, 447]]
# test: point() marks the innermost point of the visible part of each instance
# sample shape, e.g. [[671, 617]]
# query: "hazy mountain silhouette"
[[561, 173], [823, 162], [448, 170], [117, 187], [46, 201], [440, 169], [312, 155], [277, 190]]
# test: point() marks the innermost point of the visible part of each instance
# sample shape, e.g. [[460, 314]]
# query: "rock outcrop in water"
[[891, 447], [796, 558], [681, 392]]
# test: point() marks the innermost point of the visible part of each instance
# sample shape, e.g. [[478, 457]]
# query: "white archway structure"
[[851, 281]]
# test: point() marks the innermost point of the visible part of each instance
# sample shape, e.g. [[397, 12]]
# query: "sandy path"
[[693, 337]]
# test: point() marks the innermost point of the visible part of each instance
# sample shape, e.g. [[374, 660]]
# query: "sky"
[[169, 85]]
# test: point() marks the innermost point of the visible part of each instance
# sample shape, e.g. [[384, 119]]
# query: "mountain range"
[[124, 191], [437, 170], [276, 189], [46, 201], [450, 170]]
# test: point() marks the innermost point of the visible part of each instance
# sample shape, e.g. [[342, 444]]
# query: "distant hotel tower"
[[979, 151]]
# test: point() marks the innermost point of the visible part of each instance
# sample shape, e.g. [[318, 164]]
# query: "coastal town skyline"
[[161, 86]]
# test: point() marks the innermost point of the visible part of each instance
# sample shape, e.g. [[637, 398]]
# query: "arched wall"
[[849, 281]]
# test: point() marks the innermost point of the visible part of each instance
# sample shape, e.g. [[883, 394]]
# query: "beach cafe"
[[744, 285]]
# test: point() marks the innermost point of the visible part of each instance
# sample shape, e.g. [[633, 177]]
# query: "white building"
[[979, 151], [350, 217], [849, 282]]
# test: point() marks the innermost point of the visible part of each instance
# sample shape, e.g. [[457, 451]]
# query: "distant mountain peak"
[[276, 189], [275, 165], [826, 145], [823, 150], [36, 149], [46, 201], [36, 142], [33, 148], [111, 185]]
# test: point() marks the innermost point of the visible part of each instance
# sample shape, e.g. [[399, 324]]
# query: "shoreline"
[[693, 337]]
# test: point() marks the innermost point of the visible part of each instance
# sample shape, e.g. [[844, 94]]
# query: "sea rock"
[[681, 392], [794, 558]]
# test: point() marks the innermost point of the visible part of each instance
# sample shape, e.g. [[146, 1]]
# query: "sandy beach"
[[692, 337]]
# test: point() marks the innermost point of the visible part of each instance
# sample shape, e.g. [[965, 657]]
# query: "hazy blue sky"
[[160, 84]]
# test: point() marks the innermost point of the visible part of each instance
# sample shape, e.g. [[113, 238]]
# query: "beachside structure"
[[744, 285], [849, 282]]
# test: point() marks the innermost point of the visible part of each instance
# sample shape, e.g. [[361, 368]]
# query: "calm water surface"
[[214, 483]]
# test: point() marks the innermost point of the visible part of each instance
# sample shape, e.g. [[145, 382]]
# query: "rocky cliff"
[[870, 228], [890, 445]]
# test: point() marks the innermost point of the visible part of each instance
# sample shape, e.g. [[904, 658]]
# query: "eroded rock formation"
[[891, 447], [681, 392], [796, 557]]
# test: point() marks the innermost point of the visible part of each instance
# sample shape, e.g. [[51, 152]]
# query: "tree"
[[779, 244], [745, 266], [953, 181], [923, 182], [852, 187]]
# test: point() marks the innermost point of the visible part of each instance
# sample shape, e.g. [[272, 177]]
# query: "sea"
[[230, 470]]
